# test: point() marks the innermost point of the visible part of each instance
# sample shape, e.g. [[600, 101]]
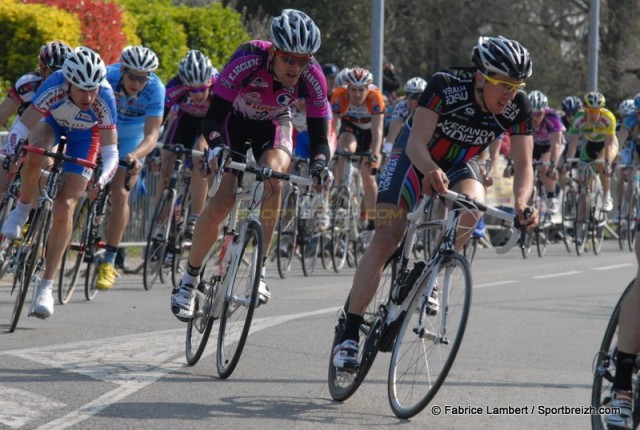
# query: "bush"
[[24, 28]]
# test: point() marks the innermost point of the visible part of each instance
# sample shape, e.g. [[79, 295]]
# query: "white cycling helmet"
[[503, 56], [627, 107], [84, 69], [195, 69], [358, 76], [538, 101], [139, 58], [295, 32], [415, 85], [340, 77]]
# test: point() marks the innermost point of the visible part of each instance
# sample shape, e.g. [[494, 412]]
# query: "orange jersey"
[[360, 116]]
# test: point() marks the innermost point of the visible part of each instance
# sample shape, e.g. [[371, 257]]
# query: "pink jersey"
[[551, 123], [247, 82]]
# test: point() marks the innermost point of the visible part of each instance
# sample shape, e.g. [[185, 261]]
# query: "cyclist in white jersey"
[[139, 97], [76, 101]]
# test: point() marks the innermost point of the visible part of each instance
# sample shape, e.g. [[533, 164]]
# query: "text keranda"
[[466, 134]]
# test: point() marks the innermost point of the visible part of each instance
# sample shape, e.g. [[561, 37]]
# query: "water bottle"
[[224, 256]]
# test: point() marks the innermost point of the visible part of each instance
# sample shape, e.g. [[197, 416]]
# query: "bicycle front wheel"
[[427, 345], [199, 328], [287, 231], [581, 224], [604, 366], [598, 220], [155, 250], [7, 248], [240, 301], [74, 255], [340, 226], [632, 220], [568, 216]]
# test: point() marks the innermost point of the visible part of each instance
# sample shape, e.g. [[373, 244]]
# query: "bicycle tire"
[[238, 308], [74, 254], [632, 220], [33, 242], [340, 226], [199, 328], [469, 249], [604, 367], [409, 343], [180, 246], [95, 247], [155, 249], [286, 244], [309, 249], [621, 223], [6, 245], [598, 221], [343, 385], [568, 217], [542, 236], [581, 228]]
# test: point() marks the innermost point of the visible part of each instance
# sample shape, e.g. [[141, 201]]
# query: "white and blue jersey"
[[134, 110], [80, 126]]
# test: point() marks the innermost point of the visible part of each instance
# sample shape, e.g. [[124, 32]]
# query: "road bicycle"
[[345, 204], [230, 293], [87, 243], [29, 259], [604, 369], [569, 204], [300, 226], [167, 243], [627, 205], [423, 342], [9, 198], [540, 234], [590, 219]]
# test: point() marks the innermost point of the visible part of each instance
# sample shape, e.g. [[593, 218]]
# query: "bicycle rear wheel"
[[542, 235], [426, 346], [286, 245], [74, 254], [309, 249], [340, 226], [581, 224], [604, 366], [156, 248], [181, 245], [632, 220], [343, 385], [240, 301]]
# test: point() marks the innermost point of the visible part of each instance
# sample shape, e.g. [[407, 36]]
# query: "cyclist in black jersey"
[[460, 113]]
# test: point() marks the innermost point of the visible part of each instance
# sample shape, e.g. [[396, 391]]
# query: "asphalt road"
[[118, 362]]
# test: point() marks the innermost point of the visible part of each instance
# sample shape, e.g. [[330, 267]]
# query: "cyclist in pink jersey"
[[250, 109]]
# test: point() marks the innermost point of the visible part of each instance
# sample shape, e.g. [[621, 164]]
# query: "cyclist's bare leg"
[[390, 227], [118, 219], [370, 187], [549, 183], [41, 136], [62, 221], [279, 161], [199, 185], [476, 190]]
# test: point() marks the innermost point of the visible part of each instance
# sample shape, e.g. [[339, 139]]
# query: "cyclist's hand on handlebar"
[[435, 180], [93, 188], [135, 166], [215, 158], [321, 175], [527, 217], [373, 163]]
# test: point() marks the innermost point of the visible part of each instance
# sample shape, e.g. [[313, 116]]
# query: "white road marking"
[[132, 362], [616, 266], [557, 275], [493, 284]]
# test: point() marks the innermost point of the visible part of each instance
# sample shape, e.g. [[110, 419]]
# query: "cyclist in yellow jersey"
[[597, 126]]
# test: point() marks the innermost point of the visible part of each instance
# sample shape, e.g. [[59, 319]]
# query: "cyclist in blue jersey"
[[139, 97], [78, 102], [251, 102], [460, 113], [403, 109]]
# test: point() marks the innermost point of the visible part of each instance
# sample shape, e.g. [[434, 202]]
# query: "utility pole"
[[377, 41]]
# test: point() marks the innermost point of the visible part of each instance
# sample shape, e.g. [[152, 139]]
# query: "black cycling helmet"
[[571, 105], [503, 56], [330, 70]]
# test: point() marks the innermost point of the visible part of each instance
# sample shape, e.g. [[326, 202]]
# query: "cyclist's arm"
[[610, 145], [318, 129], [151, 135], [623, 133], [493, 153], [556, 144], [394, 129], [377, 129], [109, 153], [213, 122], [522, 154], [424, 126], [574, 140], [7, 108]]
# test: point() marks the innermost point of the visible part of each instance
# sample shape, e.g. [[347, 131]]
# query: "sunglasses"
[[506, 86], [290, 59], [196, 90], [136, 78], [592, 110]]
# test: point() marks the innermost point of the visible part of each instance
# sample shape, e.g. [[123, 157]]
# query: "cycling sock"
[[46, 283], [193, 271], [624, 370], [352, 327], [23, 210], [193, 218], [110, 254]]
